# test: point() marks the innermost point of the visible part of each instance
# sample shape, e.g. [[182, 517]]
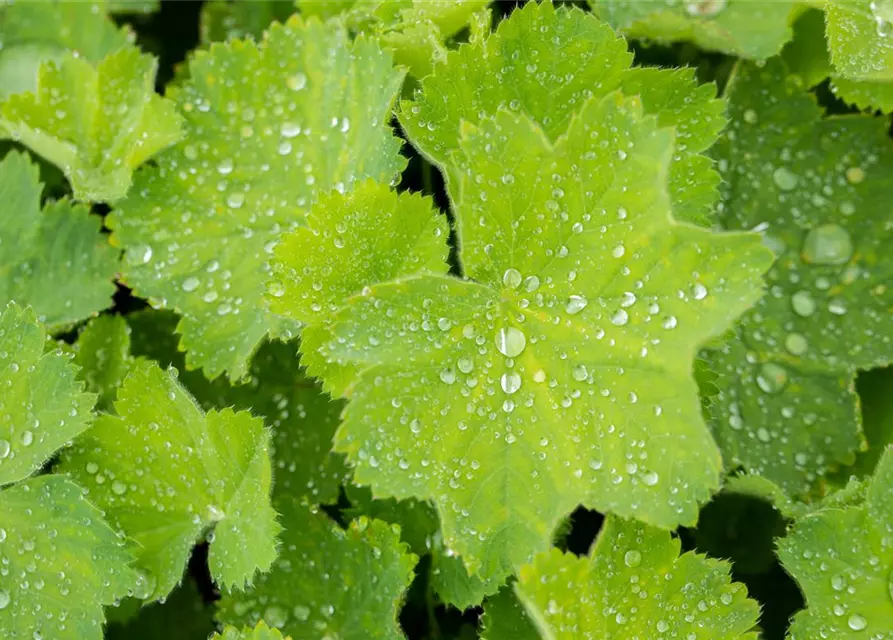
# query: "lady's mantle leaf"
[[223, 20], [61, 562], [269, 127], [820, 189], [328, 582], [37, 32], [54, 260], [42, 406], [260, 632], [164, 473], [737, 27], [860, 38], [563, 375], [545, 62], [633, 585], [96, 124], [842, 557], [103, 353], [369, 236]]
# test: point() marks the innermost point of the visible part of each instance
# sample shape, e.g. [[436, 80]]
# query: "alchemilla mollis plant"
[[446, 319]]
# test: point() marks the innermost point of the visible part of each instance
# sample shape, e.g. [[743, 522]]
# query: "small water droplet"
[[302, 613], [510, 341], [276, 289], [632, 558], [5, 448], [855, 175], [531, 284], [796, 344], [235, 200], [750, 116], [448, 376], [191, 284], [827, 244], [580, 373], [465, 364], [119, 488], [296, 82], [275, 616], [772, 378], [785, 179], [803, 303], [650, 478], [4, 599], [705, 8]]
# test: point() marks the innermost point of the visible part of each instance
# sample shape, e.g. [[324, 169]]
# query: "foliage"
[[446, 320]]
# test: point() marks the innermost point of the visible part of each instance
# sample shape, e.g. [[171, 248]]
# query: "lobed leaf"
[[54, 260], [61, 562], [183, 614], [260, 632], [103, 354], [269, 127], [223, 20], [563, 374], [841, 555], [165, 472], [328, 581], [819, 189], [97, 124], [860, 38], [42, 405]]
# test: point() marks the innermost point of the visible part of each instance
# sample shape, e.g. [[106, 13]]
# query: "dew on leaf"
[[857, 622], [632, 558], [510, 341], [511, 278], [575, 304], [828, 244], [796, 344], [772, 377], [855, 175], [5, 448], [510, 382], [785, 179], [803, 303], [620, 318]]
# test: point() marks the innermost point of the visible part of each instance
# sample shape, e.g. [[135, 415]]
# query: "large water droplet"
[[620, 318], [510, 381], [772, 378], [856, 622], [190, 284], [796, 344], [785, 179], [511, 278], [448, 376], [139, 254], [276, 616], [4, 599], [803, 303], [827, 244], [465, 364], [5, 448], [510, 341], [632, 558], [575, 304]]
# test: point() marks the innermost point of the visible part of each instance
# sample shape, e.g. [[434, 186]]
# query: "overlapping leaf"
[[183, 614], [42, 406], [269, 127], [371, 235], [564, 374], [37, 32], [103, 354], [842, 557], [164, 473], [301, 417], [328, 582], [260, 632], [61, 562], [97, 124], [820, 190], [738, 27], [634, 584], [545, 62], [54, 260]]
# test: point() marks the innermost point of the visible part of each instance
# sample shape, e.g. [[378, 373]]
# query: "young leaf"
[[269, 127], [819, 188], [328, 582], [736, 27], [633, 584], [545, 62], [563, 374], [42, 405], [61, 562], [54, 260], [368, 236], [37, 32], [96, 124], [841, 557], [103, 354], [301, 417], [260, 632], [164, 472]]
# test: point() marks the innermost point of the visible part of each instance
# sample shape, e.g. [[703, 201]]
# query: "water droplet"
[[575, 304], [511, 278], [650, 478], [855, 175], [796, 344], [837, 306], [827, 244], [785, 179], [531, 284], [275, 616], [856, 622], [750, 116], [580, 373], [448, 376], [27, 438], [465, 364], [139, 254], [235, 200], [705, 8], [510, 341], [4, 599], [289, 129], [699, 291], [225, 167], [302, 613], [510, 382], [119, 488], [803, 303], [669, 322], [772, 378], [5, 448], [620, 318], [628, 299], [632, 558], [618, 251], [276, 289], [191, 284], [296, 82]]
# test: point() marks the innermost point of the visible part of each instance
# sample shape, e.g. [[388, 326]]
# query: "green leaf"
[[301, 417], [859, 38], [806, 54], [581, 327], [182, 615], [54, 260], [96, 124], [864, 94], [633, 584], [133, 6], [544, 62], [164, 473], [819, 189], [368, 236], [268, 127], [37, 32], [736, 27], [103, 354], [504, 617], [61, 562], [841, 558], [260, 632], [42, 405], [328, 581], [223, 20], [876, 403]]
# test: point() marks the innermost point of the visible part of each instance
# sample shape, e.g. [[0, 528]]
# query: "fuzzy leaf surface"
[[269, 128], [819, 188], [97, 124], [61, 562], [563, 373], [347, 584], [164, 472]]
